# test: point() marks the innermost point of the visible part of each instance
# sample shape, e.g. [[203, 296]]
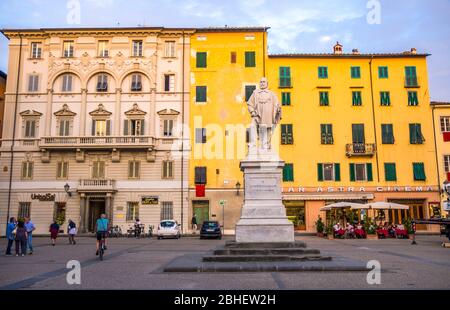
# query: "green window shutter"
[[369, 172], [200, 93], [355, 72], [385, 98], [383, 72], [286, 99], [356, 98], [337, 172], [352, 173], [285, 77], [419, 171], [249, 89], [390, 172], [412, 134], [387, 134], [324, 100], [413, 100], [323, 72], [250, 59], [358, 133], [320, 172], [290, 135], [411, 76], [288, 173], [201, 60]]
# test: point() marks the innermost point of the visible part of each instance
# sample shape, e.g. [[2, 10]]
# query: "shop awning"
[[333, 197]]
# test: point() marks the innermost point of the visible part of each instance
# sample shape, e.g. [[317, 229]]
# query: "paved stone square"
[[138, 264]]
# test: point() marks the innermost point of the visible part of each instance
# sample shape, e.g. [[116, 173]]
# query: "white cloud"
[[100, 3], [325, 39]]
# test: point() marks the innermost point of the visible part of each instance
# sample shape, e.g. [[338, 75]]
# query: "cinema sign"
[[350, 189]]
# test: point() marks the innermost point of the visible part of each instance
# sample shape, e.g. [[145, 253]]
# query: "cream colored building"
[[3, 77], [99, 110]]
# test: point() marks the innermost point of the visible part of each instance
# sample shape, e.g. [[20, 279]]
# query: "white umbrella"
[[343, 205], [384, 205]]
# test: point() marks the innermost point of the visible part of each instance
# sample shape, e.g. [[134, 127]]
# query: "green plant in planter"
[[60, 219], [369, 226], [407, 222], [320, 225], [329, 228]]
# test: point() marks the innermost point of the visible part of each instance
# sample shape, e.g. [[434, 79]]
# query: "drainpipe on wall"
[[374, 120], [14, 133]]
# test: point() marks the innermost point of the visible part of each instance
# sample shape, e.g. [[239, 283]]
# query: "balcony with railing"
[[360, 149], [412, 82], [97, 185], [101, 142]]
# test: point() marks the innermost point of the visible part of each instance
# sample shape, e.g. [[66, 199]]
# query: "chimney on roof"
[[414, 51], [338, 49], [355, 51]]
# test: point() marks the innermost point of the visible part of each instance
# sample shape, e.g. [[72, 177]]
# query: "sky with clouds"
[[296, 25]]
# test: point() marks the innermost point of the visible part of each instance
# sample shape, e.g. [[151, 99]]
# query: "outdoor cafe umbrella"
[[384, 205], [343, 205]]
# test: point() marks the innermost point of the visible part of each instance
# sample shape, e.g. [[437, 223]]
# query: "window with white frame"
[[132, 211], [24, 210], [167, 169], [62, 168], [168, 127], [445, 124], [103, 50], [68, 47], [134, 167], [30, 128], [64, 127], [447, 163], [166, 210], [169, 82], [98, 169], [137, 48], [360, 172], [102, 83], [67, 80], [328, 172], [169, 49], [27, 170], [36, 50], [136, 82], [33, 83]]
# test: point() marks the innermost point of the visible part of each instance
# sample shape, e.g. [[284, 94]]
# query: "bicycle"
[[101, 250]]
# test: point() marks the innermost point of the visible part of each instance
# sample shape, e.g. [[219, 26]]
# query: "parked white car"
[[168, 228]]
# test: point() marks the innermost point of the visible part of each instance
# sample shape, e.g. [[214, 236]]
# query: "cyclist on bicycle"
[[101, 229]]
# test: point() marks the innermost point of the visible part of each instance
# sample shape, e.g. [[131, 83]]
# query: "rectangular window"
[[27, 170], [413, 100], [136, 82], [24, 210], [30, 129], [200, 175], [201, 60], [447, 163], [323, 98], [287, 136], [168, 128], [169, 49], [411, 77], [390, 172], [200, 93], [419, 172], [67, 83], [132, 211], [102, 83], [387, 134], [361, 172], [167, 169], [64, 127], [415, 134], [68, 47], [103, 48], [358, 134], [326, 134], [33, 83], [200, 135], [98, 170], [101, 128], [356, 98], [355, 72], [137, 48], [445, 124], [288, 173], [166, 210], [62, 169], [286, 99], [328, 172], [323, 72], [36, 50], [233, 57], [385, 98], [134, 169], [250, 59], [285, 76], [383, 72], [249, 89], [169, 82], [133, 127]]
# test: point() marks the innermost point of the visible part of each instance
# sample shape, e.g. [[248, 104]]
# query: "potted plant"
[[319, 227], [407, 222], [370, 229], [330, 229]]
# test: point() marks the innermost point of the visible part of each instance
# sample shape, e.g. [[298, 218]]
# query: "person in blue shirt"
[[29, 226], [10, 235], [101, 229]]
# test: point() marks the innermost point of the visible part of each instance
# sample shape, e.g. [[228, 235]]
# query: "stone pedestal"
[[263, 217]]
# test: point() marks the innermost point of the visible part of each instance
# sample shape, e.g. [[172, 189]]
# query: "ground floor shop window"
[[59, 214], [295, 211], [24, 210], [132, 211], [166, 210], [416, 211]]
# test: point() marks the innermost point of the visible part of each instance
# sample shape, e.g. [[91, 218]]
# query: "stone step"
[[259, 245], [265, 251], [264, 258]]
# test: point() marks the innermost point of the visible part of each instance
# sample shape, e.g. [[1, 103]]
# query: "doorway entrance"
[[295, 211], [201, 210], [416, 211], [96, 208]]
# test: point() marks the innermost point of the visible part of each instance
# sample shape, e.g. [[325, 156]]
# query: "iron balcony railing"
[[360, 149]]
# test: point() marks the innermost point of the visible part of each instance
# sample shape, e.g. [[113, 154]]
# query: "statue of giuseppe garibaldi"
[[265, 111]]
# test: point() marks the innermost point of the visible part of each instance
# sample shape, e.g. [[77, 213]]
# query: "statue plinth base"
[[263, 217]]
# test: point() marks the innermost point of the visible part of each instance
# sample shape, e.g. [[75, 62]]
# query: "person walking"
[[54, 230], [194, 223], [72, 231], [10, 235], [29, 226], [21, 239]]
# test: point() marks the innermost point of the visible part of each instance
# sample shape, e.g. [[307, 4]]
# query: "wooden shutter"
[[249, 89], [369, 172], [390, 172], [108, 127], [32, 129], [201, 60], [337, 172], [125, 127], [352, 173], [233, 57], [358, 133], [200, 175], [250, 59], [142, 130], [320, 172]]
